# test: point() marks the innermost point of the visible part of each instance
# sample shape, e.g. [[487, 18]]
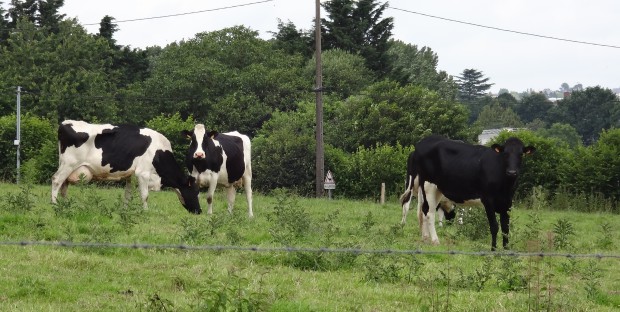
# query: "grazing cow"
[[220, 158], [104, 152], [465, 173]]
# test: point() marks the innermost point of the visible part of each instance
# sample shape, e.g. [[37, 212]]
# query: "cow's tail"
[[411, 183]]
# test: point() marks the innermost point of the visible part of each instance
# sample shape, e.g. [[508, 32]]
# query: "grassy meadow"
[[59, 278]]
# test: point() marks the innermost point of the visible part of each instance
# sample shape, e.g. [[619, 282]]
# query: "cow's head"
[[512, 153], [202, 148], [448, 208], [188, 195]]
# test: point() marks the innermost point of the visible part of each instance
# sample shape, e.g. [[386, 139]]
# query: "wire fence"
[[68, 244]]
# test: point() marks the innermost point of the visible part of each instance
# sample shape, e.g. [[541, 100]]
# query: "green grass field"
[[61, 278]]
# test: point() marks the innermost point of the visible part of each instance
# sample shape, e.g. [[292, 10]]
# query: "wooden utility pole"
[[320, 152]]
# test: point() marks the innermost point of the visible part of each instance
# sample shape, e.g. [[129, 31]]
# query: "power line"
[[185, 13], [508, 30]]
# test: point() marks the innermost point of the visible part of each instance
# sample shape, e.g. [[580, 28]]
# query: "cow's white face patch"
[[199, 132]]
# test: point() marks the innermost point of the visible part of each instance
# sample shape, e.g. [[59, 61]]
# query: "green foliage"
[[532, 106], [21, 201], [411, 65], [388, 113], [228, 79], [604, 241], [563, 132], [292, 41], [290, 221], [283, 152], [344, 74], [41, 167], [360, 174], [378, 270], [589, 111], [193, 230], [472, 85], [509, 274], [475, 225], [494, 117], [564, 231], [359, 28], [129, 213], [605, 165], [232, 294], [480, 276], [64, 75], [592, 275], [38, 144], [157, 304]]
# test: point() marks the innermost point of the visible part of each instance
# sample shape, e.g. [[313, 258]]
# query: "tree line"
[[381, 95]]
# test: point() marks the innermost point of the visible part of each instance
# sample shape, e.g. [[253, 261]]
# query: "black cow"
[[464, 173], [220, 158], [113, 153]]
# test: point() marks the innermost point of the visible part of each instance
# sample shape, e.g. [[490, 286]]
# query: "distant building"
[[489, 134]]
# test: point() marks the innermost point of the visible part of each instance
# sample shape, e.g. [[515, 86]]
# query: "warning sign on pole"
[[329, 183]]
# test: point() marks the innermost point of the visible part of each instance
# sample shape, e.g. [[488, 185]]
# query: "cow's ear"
[[187, 133], [212, 134], [529, 150], [498, 148]]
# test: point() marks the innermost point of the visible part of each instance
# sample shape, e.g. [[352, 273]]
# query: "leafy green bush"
[[597, 167], [38, 135], [41, 167], [360, 174], [231, 294], [284, 153]]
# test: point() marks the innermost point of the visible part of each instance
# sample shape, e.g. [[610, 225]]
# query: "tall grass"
[[51, 278]]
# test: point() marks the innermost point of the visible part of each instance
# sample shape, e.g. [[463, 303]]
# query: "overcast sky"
[[512, 61]]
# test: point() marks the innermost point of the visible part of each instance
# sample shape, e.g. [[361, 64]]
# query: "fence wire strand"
[[69, 244]]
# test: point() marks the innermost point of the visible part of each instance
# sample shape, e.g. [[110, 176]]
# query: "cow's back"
[[108, 151], [453, 166]]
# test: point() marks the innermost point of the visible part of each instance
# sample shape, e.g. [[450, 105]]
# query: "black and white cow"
[[107, 152], [465, 173], [220, 158]]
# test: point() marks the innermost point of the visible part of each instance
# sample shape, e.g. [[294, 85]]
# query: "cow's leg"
[[440, 215], [231, 191], [405, 199], [504, 220], [210, 192], [427, 220], [423, 225], [406, 204], [493, 226], [63, 188], [247, 185], [143, 186], [433, 197], [59, 182]]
